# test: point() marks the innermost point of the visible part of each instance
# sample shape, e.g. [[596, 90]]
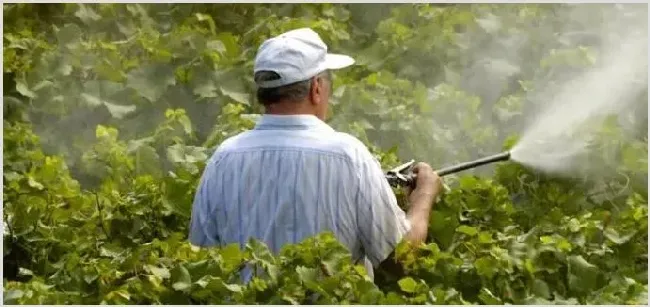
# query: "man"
[[293, 176]]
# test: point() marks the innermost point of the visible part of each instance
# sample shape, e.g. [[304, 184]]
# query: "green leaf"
[[106, 132], [574, 225], [614, 236], [235, 95], [231, 255], [231, 42], [25, 272], [147, 161], [393, 298], [308, 276], [485, 237], [91, 100], [98, 93], [407, 284], [34, 184], [179, 153], [11, 176], [204, 82], [547, 239], [529, 266], [181, 278], [22, 88], [582, 275], [87, 14], [216, 45], [67, 34], [468, 230], [10, 296], [90, 278], [488, 298], [110, 251], [208, 18], [541, 289], [486, 266], [468, 182], [234, 288], [206, 90], [160, 272], [119, 111], [41, 85], [119, 296], [151, 81], [187, 125], [333, 262]]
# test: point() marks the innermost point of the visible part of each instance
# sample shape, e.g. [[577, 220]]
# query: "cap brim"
[[337, 61]]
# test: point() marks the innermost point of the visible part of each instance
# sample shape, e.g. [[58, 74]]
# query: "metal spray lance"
[[403, 175]]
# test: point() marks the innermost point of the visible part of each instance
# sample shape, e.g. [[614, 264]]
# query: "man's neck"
[[289, 108]]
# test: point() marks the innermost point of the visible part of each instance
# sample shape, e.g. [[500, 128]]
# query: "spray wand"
[[403, 175]]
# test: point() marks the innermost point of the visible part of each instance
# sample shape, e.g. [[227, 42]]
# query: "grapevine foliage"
[[111, 110]]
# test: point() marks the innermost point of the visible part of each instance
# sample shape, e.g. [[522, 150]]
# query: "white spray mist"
[[558, 140]]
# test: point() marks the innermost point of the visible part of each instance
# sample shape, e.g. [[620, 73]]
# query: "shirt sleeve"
[[203, 225], [382, 223]]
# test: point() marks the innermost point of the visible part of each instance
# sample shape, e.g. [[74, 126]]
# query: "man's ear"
[[315, 90]]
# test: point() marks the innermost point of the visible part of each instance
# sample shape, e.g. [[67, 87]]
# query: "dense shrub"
[[111, 110]]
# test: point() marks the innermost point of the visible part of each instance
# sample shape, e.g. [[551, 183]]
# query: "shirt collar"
[[290, 122]]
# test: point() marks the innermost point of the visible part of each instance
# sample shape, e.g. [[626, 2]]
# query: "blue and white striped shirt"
[[290, 178]]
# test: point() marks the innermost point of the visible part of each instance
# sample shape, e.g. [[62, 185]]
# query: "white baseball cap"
[[296, 56]]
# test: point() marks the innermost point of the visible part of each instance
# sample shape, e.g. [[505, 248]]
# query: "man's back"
[[293, 177]]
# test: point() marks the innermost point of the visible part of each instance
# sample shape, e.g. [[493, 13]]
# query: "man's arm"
[[421, 200], [382, 224]]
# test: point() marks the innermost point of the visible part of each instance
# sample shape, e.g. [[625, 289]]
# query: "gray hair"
[[294, 92]]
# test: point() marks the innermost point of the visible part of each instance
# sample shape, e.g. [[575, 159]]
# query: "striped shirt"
[[290, 178]]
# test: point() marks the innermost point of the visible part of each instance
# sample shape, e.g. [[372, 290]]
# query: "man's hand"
[[428, 185], [427, 182]]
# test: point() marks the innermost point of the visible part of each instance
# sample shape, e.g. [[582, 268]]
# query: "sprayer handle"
[[411, 180]]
